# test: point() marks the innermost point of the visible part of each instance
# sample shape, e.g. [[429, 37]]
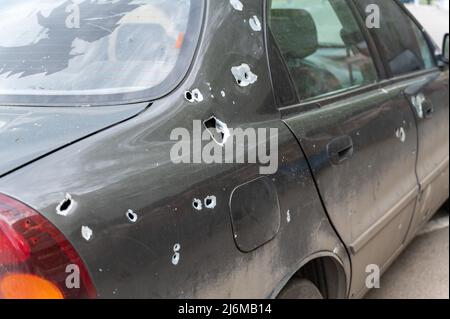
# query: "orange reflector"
[[180, 40], [23, 286]]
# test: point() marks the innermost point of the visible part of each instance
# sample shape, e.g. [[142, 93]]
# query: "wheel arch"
[[325, 269]]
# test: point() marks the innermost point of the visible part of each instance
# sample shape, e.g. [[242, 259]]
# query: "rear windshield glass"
[[94, 47]]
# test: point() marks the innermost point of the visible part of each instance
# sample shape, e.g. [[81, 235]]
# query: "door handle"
[[340, 150], [423, 107]]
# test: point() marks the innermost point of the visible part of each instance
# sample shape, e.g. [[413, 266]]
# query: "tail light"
[[34, 257]]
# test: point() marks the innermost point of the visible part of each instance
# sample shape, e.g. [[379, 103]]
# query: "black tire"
[[300, 289]]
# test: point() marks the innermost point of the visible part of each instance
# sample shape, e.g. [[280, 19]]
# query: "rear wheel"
[[300, 289]]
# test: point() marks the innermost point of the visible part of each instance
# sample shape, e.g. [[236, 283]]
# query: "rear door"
[[410, 63], [360, 139]]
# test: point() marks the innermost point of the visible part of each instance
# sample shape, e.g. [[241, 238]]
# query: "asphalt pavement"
[[422, 270]]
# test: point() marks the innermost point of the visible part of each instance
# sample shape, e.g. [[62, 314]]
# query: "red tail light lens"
[[34, 257]]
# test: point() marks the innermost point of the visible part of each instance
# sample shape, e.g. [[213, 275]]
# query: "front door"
[[410, 63], [360, 139]]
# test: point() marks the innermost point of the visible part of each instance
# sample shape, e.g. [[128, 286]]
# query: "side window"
[[400, 40], [322, 46]]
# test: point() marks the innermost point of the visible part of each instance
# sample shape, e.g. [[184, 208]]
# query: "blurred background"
[[433, 15]]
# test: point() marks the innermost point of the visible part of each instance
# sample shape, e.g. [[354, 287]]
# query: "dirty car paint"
[[182, 245]]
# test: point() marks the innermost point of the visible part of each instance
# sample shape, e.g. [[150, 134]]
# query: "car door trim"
[[427, 180], [376, 228], [410, 76], [320, 102]]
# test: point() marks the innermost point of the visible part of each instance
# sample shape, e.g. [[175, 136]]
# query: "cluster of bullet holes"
[[255, 24], [218, 130], [86, 233], [210, 202], [176, 254], [65, 207], [237, 5], [193, 96], [243, 74]]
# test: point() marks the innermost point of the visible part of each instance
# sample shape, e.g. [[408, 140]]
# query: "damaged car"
[[215, 149]]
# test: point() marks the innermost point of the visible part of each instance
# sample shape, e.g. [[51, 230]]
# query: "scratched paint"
[[194, 96], [86, 233], [255, 24], [237, 5]]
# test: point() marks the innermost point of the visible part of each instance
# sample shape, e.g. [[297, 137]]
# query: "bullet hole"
[[176, 259], [218, 130], [401, 134], [65, 206], [197, 204], [210, 202], [255, 24], [237, 5], [87, 233], [223, 93], [193, 96], [176, 256], [132, 216], [243, 75]]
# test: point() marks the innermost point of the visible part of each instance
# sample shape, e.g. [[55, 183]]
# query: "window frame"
[[431, 47], [322, 100]]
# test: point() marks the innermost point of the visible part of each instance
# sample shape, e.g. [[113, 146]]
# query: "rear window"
[[94, 51]]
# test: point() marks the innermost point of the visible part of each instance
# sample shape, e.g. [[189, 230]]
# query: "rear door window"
[[322, 45]]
